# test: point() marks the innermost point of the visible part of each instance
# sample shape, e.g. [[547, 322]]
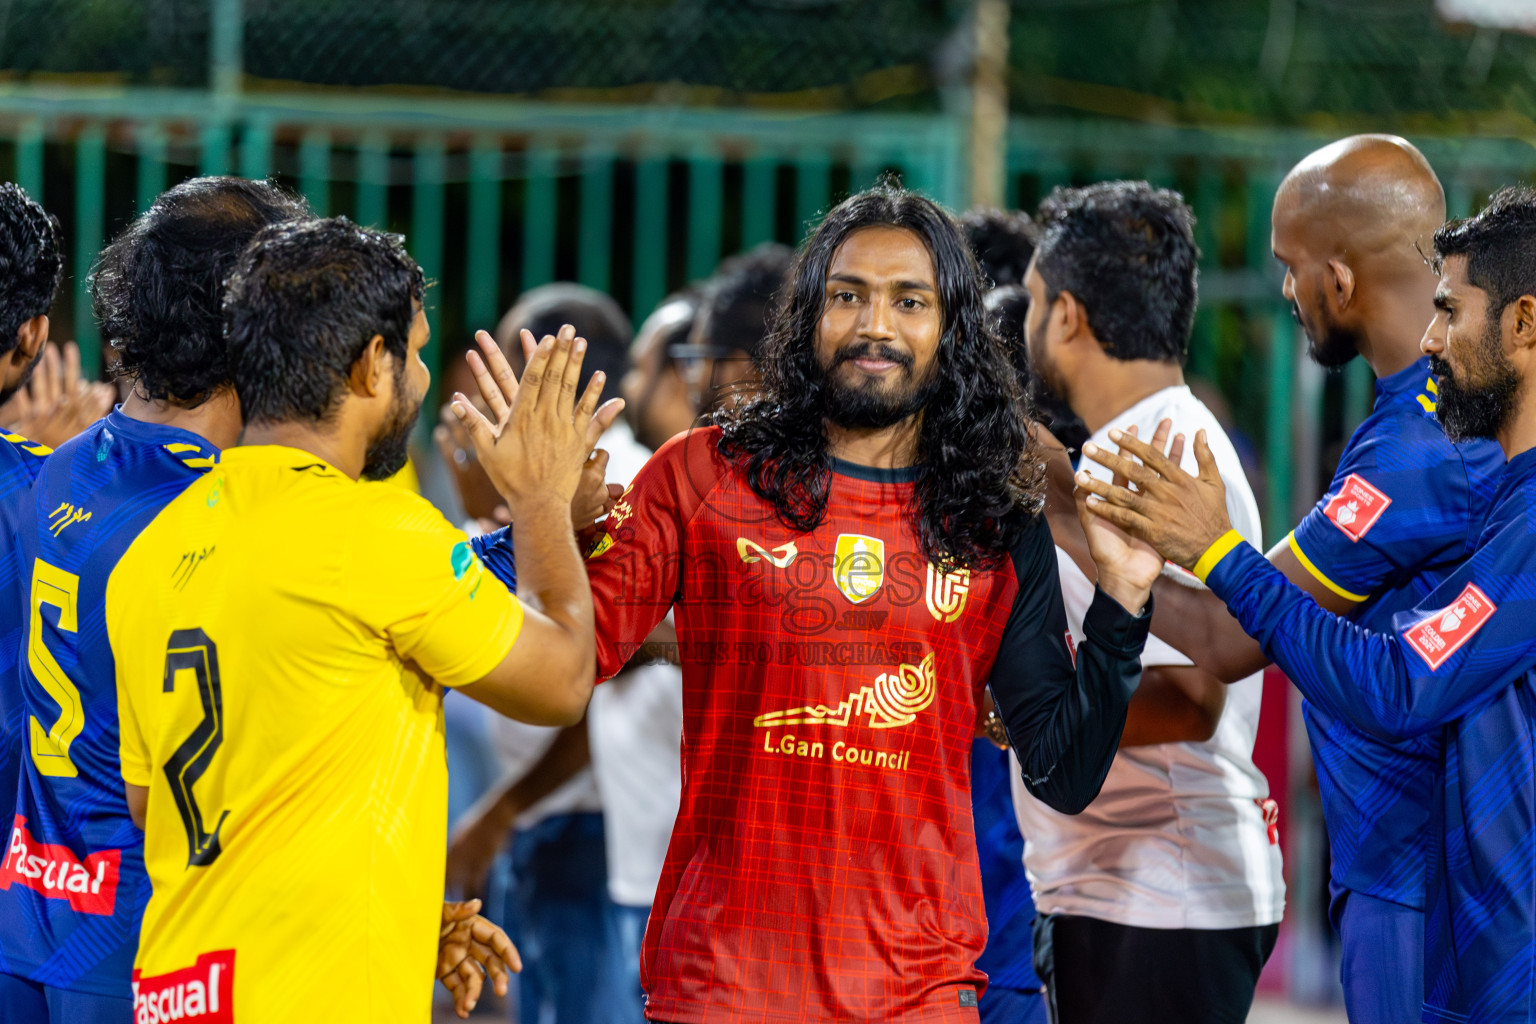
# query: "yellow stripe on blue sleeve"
[[26, 445], [1301, 556], [1215, 553]]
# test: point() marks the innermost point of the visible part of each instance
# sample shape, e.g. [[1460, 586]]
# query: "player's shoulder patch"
[[1357, 507], [1442, 633]]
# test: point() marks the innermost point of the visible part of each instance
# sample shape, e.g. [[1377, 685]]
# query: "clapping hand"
[[1179, 515]]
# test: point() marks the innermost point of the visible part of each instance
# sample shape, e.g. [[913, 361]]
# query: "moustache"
[[871, 349], [1440, 368]]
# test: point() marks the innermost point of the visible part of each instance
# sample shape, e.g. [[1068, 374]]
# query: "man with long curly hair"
[[851, 557]]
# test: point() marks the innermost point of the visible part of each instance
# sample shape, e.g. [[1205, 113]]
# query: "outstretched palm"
[[1121, 558], [1116, 552]]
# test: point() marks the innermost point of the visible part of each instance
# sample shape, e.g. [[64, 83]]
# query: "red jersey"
[[823, 863]]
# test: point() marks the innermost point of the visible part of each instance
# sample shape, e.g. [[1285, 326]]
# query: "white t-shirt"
[[635, 723], [518, 745], [1177, 838]]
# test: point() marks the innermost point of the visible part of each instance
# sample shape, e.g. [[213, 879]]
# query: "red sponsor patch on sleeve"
[[201, 994], [1356, 507], [90, 885], [1442, 633], [1072, 648]]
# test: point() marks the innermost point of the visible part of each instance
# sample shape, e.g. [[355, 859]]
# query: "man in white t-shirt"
[[1161, 902]]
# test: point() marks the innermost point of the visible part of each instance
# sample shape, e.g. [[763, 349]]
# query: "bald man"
[[1351, 224]]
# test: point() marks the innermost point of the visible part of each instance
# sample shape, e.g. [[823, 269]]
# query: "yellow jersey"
[[281, 634]]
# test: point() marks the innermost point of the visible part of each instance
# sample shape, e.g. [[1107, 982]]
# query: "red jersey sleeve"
[[635, 564]]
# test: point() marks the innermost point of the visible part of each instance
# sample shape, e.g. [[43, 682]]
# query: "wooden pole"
[[989, 104]]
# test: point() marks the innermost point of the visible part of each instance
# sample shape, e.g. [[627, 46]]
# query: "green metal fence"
[[499, 196]]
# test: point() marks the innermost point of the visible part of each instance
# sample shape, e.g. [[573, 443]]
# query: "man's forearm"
[[1197, 625], [568, 754], [551, 575]]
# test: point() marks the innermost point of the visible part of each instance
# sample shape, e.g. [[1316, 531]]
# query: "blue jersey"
[[20, 462], [1461, 663], [1402, 513], [72, 884], [1008, 959]]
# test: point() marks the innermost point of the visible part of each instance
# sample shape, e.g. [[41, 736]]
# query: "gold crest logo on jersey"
[[779, 557], [946, 593], [858, 566], [893, 700]]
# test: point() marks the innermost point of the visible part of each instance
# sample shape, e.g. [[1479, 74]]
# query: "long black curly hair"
[[980, 473]]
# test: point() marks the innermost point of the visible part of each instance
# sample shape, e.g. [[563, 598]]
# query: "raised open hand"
[[1178, 514], [56, 404], [1127, 567], [537, 438]]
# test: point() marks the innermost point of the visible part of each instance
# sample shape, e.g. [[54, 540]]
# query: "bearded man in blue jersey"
[[1351, 222], [1461, 663]]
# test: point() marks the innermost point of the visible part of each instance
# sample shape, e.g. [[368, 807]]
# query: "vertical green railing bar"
[[215, 158], [373, 180], [594, 256], [315, 170], [1279, 475], [1054, 174], [1280, 363], [650, 235], [759, 199], [541, 166], [150, 140], [813, 187], [867, 164], [1459, 198], [706, 194], [483, 268], [29, 159], [256, 150], [90, 215], [426, 246], [1207, 207]]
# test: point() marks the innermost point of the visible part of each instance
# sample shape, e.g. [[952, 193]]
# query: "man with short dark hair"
[[851, 557], [283, 628], [1162, 900], [1461, 662]]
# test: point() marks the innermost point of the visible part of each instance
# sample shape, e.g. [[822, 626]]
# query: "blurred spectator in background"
[[547, 803], [719, 357], [656, 403], [1003, 241]]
